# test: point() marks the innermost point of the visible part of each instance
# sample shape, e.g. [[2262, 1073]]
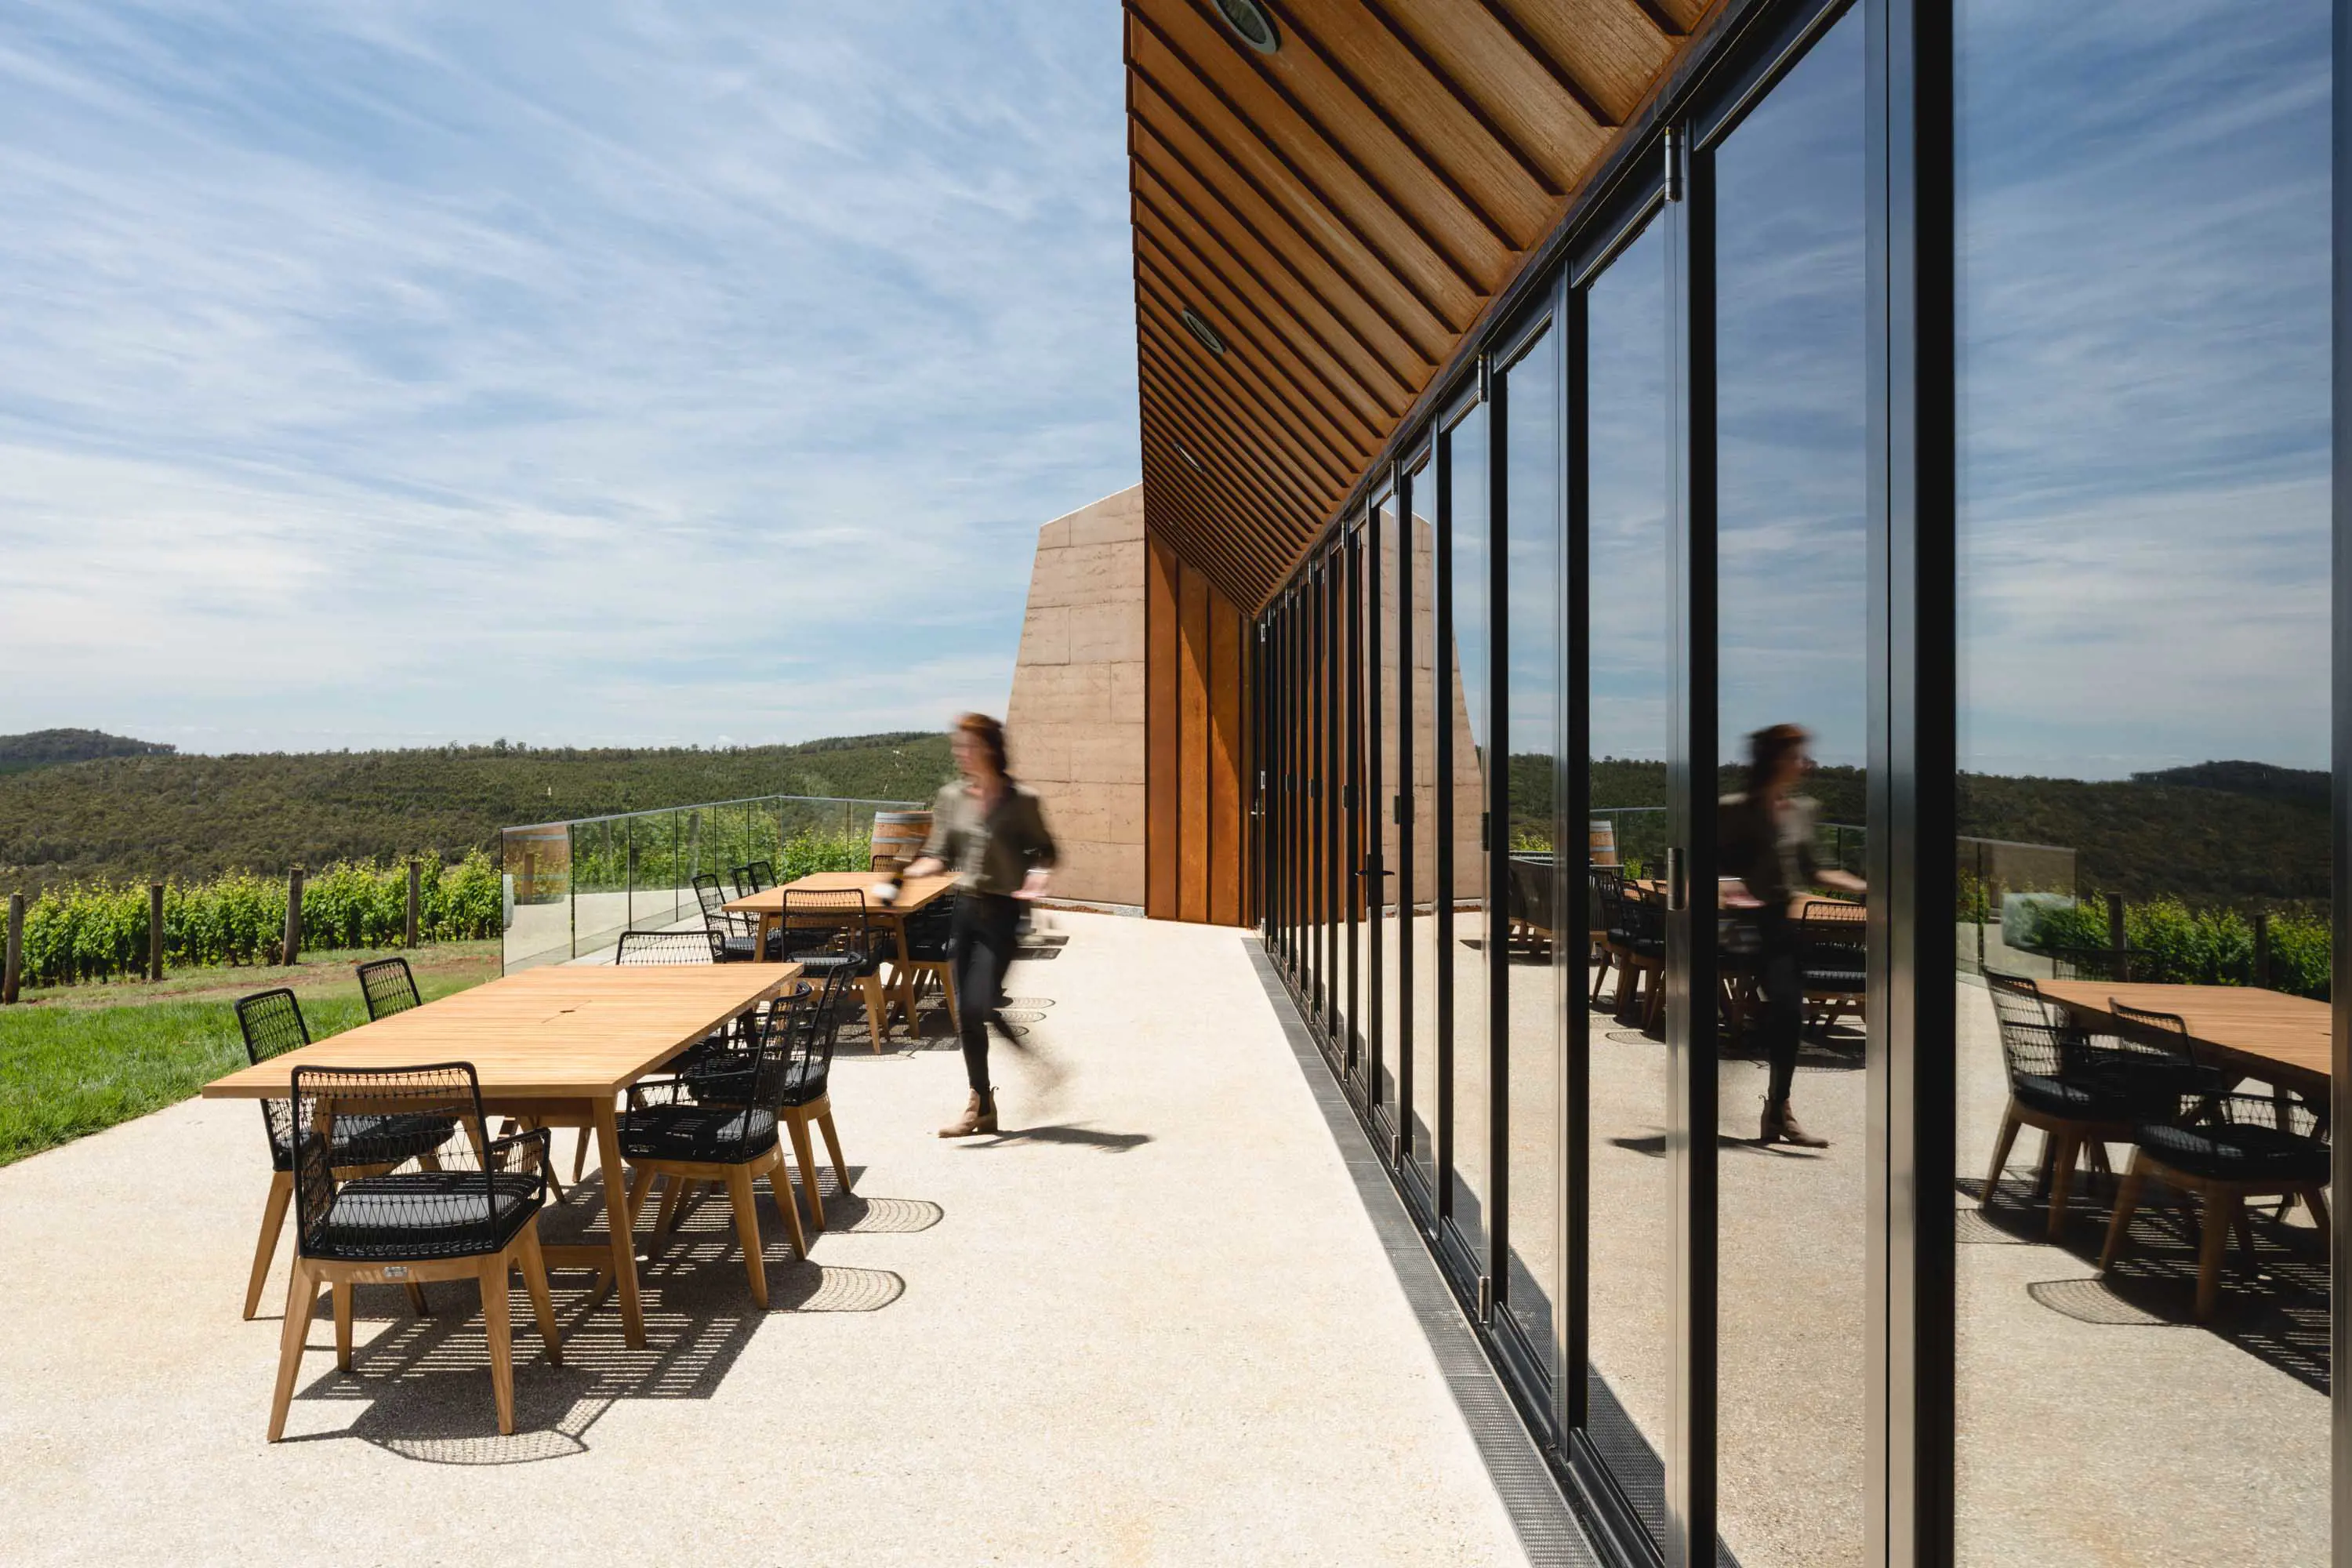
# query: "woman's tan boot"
[[976, 1119]]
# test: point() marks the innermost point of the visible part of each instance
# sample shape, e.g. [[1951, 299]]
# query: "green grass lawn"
[[78, 1060]]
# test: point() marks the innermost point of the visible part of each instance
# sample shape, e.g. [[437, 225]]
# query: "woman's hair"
[[1768, 749], [989, 733]]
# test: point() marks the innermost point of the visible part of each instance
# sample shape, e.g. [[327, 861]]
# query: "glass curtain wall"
[[1542, 929], [1357, 670], [1469, 948], [1384, 803], [2143, 456], [1627, 1180], [1792, 733], [1424, 821]]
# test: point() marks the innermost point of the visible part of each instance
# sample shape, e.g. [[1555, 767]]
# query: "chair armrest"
[[648, 1093]]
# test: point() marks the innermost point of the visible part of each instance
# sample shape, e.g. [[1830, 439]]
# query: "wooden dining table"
[[2284, 1041], [554, 1047], [915, 895]]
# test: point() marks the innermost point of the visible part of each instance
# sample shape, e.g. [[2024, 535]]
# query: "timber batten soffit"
[[1337, 217]]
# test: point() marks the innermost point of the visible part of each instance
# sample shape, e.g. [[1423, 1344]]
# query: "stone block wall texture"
[[1074, 722]]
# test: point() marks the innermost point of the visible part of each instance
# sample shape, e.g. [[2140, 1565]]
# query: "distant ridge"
[[47, 748], [157, 813], [2264, 781]]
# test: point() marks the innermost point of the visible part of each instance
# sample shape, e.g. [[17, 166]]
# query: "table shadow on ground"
[[425, 1381], [2274, 1305]]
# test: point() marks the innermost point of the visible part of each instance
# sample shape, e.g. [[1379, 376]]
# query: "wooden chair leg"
[[804, 1158], [301, 1299], [2126, 1204], [2001, 1144], [2061, 1181], [780, 1185], [542, 1305], [499, 1326], [265, 1248], [416, 1299], [877, 1018], [747, 1231], [671, 1187], [342, 1295], [2318, 1202], [833, 1145], [580, 1155], [2212, 1246]]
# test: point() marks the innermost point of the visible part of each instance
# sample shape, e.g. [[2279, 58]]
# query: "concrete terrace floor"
[[1152, 1325]]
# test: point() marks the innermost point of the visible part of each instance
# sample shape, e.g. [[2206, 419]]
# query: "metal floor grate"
[[1538, 1512]]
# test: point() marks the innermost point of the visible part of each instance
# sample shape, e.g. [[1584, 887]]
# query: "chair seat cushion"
[[1835, 980], [424, 1215], [2239, 1153], [821, 962], [2080, 1100], [704, 1132], [372, 1140]]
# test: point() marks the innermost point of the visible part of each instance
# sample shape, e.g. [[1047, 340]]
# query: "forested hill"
[[47, 748], [2223, 832], [137, 817]]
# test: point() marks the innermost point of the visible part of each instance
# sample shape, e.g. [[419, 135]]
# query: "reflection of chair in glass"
[[387, 987], [1635, 945], [2226, 1148], [2077, 1088], [1528, 889], [737, 934], [475, 1216], [272, 1023], [1833, 952]]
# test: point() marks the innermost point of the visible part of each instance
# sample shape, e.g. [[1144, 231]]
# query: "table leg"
[[617, 1219], [906, 979]]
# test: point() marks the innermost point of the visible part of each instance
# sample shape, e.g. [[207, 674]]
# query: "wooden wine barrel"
[[899, 837], [1602, 842]]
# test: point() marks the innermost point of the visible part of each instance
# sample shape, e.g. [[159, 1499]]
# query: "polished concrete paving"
[[1151, 1324]]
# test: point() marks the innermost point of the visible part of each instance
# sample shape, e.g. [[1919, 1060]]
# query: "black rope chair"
[[669, 947], [811, 1023], [829, 929], [2078, 1089], [669, 1132], [387, 987], [1834, 954], [2225, 1148], [737, 934], [930, 936], [751, 877], [1637, 941], [473, 1215], [272, 1023]]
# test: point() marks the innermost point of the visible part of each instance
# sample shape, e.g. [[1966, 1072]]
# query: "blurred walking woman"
[[991, 832]]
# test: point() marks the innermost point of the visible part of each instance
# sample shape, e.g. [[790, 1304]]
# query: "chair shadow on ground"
[[2274, 1308], [425, 1381]]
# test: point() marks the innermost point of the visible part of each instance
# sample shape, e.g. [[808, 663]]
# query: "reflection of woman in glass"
[[1766, 840]]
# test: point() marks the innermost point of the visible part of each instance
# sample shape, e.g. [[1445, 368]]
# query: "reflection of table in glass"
[[2280, 1040]]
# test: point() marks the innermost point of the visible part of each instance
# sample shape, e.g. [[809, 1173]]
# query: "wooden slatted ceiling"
[[1341, 212]]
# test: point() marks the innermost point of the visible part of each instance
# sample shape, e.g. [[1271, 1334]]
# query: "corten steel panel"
[[1160, 729], [1193, 746], [1344, 213]]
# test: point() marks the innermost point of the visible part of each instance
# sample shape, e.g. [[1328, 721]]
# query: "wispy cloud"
[[619, 373]]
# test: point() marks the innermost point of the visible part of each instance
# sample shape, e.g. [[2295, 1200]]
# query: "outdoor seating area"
[[1013, 1346]]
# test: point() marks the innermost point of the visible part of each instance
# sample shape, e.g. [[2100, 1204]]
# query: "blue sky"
[[605, 373]]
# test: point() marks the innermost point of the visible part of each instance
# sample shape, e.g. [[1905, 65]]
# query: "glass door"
[[1466, 686], [1621, 482], [1417, 771], [1384, 805]]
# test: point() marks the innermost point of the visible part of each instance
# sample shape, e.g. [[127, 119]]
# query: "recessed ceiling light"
[[1195, 324], [1250, 22]]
